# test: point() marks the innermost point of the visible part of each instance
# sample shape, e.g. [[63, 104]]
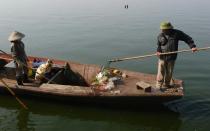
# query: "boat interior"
[[61, 73], [72, 74]]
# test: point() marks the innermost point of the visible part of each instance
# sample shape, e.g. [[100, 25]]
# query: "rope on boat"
[[13, 94]]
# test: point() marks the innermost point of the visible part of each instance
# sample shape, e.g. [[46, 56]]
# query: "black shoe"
[[163, 89], [169, 86], [19, 80], [20, 83]]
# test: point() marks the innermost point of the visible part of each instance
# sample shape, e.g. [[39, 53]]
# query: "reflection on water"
[[23, 120], [95, 31], [36, 118]]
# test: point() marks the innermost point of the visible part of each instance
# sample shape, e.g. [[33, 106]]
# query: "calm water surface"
[[94, 31]]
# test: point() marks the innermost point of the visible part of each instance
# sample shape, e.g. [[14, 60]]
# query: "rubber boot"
[[19, 80]]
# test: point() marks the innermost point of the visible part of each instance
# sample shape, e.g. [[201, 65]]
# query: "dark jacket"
[[18, 51], [169, 43]]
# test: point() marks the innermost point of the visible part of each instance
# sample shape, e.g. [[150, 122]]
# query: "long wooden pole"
[[150, 55], [11, 92]]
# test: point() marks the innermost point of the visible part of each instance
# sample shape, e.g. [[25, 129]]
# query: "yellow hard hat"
[[165, 25]]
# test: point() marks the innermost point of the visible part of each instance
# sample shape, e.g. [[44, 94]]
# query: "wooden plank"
[[67, 89]]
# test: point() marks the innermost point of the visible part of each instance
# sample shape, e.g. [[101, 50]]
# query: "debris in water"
[[126, 6]]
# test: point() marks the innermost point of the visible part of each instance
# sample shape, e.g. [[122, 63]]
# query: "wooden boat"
[[80, 91]]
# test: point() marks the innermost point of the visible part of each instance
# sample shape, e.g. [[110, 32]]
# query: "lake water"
[[95, 31]]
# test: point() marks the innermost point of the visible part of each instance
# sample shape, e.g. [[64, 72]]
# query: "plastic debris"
[[109, 85], [115, 92], [107, 79]]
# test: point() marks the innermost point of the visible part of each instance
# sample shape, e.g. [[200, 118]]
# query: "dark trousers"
[[21, 69]]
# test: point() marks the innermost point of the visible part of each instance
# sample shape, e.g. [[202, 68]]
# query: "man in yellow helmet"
[[168, 41]]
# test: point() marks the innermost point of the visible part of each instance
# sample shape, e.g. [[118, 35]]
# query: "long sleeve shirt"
[[169, 43], [18, 51]]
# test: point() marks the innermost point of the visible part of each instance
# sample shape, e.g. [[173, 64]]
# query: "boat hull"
[[126, 94]]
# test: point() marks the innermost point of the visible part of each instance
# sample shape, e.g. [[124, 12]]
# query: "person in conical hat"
[[15, 35], [19, 56], [167, 41]]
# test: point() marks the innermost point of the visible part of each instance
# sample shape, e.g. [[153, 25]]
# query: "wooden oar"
[[150, 55], [3, 51], [7, 86], [11, 92]]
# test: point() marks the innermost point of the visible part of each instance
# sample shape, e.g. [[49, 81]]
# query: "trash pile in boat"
[[108, 79]]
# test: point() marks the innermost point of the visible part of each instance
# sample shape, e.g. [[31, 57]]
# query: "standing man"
[[19, 56], [168, 41]]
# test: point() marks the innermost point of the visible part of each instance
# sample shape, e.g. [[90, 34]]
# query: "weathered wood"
[[124, 91], [141, 85], [67, 89]]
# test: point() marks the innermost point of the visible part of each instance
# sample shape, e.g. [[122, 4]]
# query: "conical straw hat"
[[16, 36]]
